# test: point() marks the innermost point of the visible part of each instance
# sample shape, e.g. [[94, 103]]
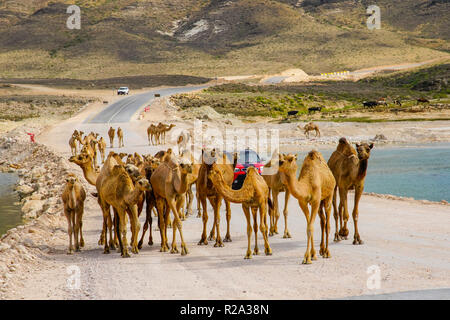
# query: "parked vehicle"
[[246, 159], [123, 90]]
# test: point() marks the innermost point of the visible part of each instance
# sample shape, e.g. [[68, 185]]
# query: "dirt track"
[[407, 240]]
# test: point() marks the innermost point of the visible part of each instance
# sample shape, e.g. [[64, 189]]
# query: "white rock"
[[24, 190], [33, 205], [4, 247]]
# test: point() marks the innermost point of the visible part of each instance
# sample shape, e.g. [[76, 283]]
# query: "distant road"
[[124, 109]]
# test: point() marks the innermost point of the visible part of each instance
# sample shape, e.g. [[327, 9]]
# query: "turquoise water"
[[10, 215], [421, 172]]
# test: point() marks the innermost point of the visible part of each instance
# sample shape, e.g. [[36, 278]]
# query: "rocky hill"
[[214, 37]]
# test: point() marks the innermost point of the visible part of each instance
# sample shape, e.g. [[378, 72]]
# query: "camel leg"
[[123, 243], [203, 239], [322, 228], [144, 230], [309, 230], [76, 227], [285, 213], [180, 205], [228, 217], [161, 221], [336, 216], [212, 233], [113, 240], [219, 242], [174, 248], [190, 196], [276, 212], [106, 226], [199, 213], [358, 193], [69, 231], [81, 230], [248, 255], [255, 228], [264, 229], [327, 206], [343, 199], [177, 225]]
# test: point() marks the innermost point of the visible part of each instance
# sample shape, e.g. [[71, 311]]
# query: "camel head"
[[288, 164], [185, 168], [81, 159], [363, 150], [214, 173], [143, 184], [133, 171], [71, 180], [122, 155], [209, 156]]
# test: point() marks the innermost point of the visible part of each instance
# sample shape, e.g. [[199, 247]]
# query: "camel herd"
[[157, 134], [163, 184]]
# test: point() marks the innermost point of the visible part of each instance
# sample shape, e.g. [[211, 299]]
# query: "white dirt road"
[[407, 240]]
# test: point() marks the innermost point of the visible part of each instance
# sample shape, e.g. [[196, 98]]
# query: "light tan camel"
[[73, 198], [120, 137], [85, 162], [161, 132], [254, 194], [206, 190], [169, 182], [275, 187], [151, 132], [102, 148], [314, 187], [73, 142], [117, 189], [310, 127], [111, 133], [349, 167]]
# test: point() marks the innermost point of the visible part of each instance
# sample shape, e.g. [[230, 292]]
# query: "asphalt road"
[[123, 110]]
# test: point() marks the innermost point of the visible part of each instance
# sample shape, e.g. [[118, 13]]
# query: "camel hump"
[[343, 140], [314, 154]]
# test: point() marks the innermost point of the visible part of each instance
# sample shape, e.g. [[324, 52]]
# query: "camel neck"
[[296, 187], [236, 196], [180, 181], [90, 176], [362, 168]]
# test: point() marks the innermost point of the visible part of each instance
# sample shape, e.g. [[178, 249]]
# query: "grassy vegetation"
[[20, 107], [338, 99]]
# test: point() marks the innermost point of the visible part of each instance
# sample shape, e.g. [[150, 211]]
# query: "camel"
[[120, 137], [111, 133], [275, 187], [85, 162], [169, 182], [102, 148], [150, 167], [151, 132], [254, 194], [161, 132], [117, 189], [310, 127], [206, 190], [73, 142], [183, 139], [73, 198], [315, 187], [349, 167]]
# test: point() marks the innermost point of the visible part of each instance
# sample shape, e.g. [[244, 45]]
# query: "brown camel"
[[206, 190], [310, 127], [169, 183], [102, 148], [111, 133], [73, 198], [150, 167], [254, 194], [120, 137], [314, 187], [349, 167], [117, 189], [85, 162], [275, 187]]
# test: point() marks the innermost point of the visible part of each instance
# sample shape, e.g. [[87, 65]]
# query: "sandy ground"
[[407, 240]]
